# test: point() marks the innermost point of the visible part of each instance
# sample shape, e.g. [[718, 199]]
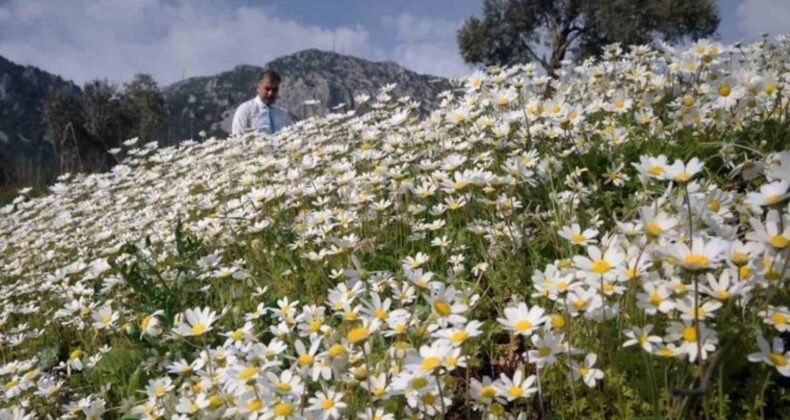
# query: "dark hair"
[[269, 74]]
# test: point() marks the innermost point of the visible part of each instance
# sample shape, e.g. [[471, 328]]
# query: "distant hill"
[[207, 103], [203, 103], [23, 137]]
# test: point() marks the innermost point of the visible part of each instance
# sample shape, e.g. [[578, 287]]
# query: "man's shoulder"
[[246, 105]]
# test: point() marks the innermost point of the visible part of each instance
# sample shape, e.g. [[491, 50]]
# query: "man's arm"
[[240, 124]]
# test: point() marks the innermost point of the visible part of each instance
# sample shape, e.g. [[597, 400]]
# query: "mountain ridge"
[[312, 74]]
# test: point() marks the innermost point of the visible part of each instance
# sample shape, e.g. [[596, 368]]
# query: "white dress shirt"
[[257, 116]]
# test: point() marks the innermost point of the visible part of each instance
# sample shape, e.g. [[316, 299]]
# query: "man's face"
[[268, 90]]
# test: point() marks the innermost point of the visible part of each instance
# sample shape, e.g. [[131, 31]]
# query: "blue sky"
[[170, 39]]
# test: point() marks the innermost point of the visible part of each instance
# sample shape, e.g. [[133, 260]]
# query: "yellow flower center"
[[105, 319], [400, 327], [283, 409], [442, 308], [683, 176], [314, 326], [714, 205], [725, 90], [198, 328], [381, 314], [75, 354], [358, 334], [283, 387], [237, 335], [578, 237], [488, 391], [690, 334], [655, 170], [305, 359], [696, 261], [654, 229], [579, 303], [778, 359], [523, 325], [459, 336], [688, 100], [600, 267], [778, 318], [215, 401], [160, 390], [336, 350], [254, 404], [544, 351], [419, 382], [515, 391], [430, 363], [619, 103], [584, 370], [429, 398], [656, 299], [666, 352], [144, 323], [773, 199], [327, 404], [779, 241], [557, 322], [739, 258]]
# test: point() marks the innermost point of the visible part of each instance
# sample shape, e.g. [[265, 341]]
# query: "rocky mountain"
[[23, 137], [208, 103]]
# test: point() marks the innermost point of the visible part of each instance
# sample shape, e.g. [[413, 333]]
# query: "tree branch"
[[542, 61]]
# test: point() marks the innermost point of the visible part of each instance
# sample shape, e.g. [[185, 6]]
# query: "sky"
[[82, 40]]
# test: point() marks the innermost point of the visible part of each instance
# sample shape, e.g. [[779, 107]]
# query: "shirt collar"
[[260, 103]]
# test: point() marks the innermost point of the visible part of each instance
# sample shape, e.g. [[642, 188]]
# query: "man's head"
[[268, 86]]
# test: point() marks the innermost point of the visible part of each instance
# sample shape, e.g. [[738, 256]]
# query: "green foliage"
[[514, 31]]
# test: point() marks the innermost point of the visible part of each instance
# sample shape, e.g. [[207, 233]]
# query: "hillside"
[[207, 103], [23, 137], [620, 249], [200, 103]]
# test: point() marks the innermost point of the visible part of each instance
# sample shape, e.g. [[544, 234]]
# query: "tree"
[[512, 31], [65, 120], [107, 120], [146, 105]]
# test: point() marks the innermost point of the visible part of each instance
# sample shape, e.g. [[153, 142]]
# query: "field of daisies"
[[611, 244]]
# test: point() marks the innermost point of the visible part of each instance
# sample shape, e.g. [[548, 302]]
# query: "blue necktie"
[[271, 119]]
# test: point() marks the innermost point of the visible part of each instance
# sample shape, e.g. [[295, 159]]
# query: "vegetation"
[[84, 128], [515, 31], [618, 250]]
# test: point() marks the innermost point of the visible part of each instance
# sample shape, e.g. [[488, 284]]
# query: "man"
[[259, 113]]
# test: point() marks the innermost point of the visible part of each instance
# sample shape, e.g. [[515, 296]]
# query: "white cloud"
[[426, 45], [82, 40], [755, 17]]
